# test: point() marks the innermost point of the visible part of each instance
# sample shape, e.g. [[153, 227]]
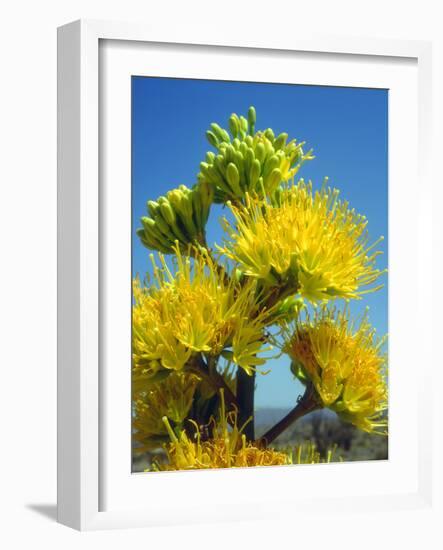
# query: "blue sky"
[[346, 127]]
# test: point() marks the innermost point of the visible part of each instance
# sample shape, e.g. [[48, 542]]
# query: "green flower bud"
[[197, 208], [234, 124], [269, 148], [152, 207], [210, 156], [219, 163], [184, 189], [148, 223], [176, 198], [243, 148], [252, 117], [250, 157], [221, 134], [167, 212], [271, 163], [206, 192], [163, 227], [248, 160], [254, 173], [273, 180], [249, 140], [150, 242], [233, 177], [243, 125], [210, 136], [155, 236], [260, 151], [206, 175], [291, 146], [229, 153], [280, 141], [161, 200], [217, 176], [270, 135]]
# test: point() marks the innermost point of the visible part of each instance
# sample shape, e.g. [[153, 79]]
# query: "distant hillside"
[[268, 416], [323, 428], [327, 431]]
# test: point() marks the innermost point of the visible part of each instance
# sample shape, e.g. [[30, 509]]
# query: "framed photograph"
[[239, 234]]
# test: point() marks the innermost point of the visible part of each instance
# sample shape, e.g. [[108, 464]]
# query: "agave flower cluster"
[[171, 398], [197, 309], [345, 362], [291, 260], [303, 242], [180, 217], [254, 162], [228, 448]]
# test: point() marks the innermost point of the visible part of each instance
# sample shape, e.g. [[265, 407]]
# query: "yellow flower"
[[228, 448], [171, 397], [185, 454], [198, 310], [346, 365], [304, 242]]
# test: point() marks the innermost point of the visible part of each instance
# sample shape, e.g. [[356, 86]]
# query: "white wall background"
[[28, 259]]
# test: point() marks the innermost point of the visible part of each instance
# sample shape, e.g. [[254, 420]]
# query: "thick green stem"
[[305, 405], [245, 399]]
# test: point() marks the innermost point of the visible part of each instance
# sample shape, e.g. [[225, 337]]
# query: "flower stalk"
[[245, 397], [305, 405]]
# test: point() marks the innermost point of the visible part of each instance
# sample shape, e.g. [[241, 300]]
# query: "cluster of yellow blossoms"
[[171, 397], [199, 309], [228, 448], [346, 364], [304, 242]]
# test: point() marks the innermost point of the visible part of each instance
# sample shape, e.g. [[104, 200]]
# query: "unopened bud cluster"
[[180, 216], [249, 161]]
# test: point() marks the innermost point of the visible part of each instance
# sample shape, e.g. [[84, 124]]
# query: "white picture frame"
[[95, 492]]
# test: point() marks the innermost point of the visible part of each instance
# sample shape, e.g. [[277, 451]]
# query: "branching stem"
[[306, 404]]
